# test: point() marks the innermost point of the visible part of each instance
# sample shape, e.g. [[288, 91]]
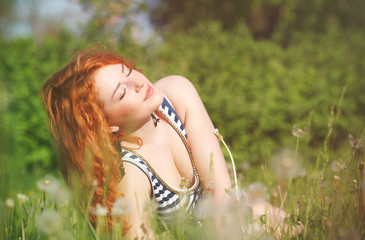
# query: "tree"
[[266, 19]]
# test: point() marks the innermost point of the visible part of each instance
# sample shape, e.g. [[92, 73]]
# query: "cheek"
[[121, 113]]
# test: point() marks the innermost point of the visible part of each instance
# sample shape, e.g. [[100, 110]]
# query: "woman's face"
[[128, 96]]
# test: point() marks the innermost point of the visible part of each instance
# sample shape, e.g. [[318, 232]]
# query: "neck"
[[146, 131]]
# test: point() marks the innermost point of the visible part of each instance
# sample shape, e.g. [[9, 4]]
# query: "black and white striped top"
[[170, 200]]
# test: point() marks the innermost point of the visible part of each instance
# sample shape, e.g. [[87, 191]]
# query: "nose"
[[135, 84]]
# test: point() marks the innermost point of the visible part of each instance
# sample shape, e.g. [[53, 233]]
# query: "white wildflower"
[[121, 207], [47, 183], [100, 210], [9, 203], [22, 198], [48, 222]]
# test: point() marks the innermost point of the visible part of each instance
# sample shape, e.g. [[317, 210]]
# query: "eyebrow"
[[115, 90]]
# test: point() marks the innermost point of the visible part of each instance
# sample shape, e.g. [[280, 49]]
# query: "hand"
[[274, 220]]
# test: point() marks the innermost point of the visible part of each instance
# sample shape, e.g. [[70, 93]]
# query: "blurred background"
[[261, 67]]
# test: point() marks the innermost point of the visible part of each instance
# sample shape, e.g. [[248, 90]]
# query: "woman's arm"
[[136, 188], [199, 128]]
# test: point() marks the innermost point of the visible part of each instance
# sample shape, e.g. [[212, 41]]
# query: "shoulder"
[[169, 82], [134, 181], [180, 91]]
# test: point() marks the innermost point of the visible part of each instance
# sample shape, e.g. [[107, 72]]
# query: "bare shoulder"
[[180, 91], [169, 82], [134, 182]]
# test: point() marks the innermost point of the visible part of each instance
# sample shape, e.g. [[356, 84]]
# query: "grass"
[[321, 188]]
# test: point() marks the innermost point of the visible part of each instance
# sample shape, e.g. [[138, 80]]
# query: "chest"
[[168, 155]]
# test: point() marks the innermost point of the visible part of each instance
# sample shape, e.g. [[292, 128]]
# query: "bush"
[[256, 91]]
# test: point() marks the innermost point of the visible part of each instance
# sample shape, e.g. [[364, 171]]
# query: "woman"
[[164, 130]]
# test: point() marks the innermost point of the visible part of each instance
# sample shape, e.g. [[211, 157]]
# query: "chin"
[[157, 97]]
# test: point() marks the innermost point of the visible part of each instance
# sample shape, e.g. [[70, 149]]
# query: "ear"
[[113, 129]]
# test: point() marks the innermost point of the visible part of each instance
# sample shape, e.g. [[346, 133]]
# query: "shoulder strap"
[[168, 111], [130, 157]]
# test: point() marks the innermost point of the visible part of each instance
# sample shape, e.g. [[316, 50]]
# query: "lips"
[[149, 92]]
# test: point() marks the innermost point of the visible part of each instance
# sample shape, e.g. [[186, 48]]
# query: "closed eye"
[[124, 92], [130, 71]]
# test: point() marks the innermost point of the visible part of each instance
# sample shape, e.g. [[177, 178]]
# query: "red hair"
[[80, 127]]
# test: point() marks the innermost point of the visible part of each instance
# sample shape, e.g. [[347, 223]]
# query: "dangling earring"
[[119, 150], [155, 119]]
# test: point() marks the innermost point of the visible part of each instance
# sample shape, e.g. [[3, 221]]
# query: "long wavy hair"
[[86, 147]]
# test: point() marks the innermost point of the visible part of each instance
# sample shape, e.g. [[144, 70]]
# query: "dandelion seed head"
[[99, 210], [257, 193], [60, 194], [337, 178], [47, 183], [57, 192], [336, 166], [121, 207], [356, 143], [285, 164], [9, 202], [48, 222], [299, 133], [217, 134], [22, 198]]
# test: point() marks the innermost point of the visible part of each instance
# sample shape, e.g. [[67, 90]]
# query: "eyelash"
[[130, 71], [124, 92]]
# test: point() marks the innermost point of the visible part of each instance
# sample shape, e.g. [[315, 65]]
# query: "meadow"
[[292, 117], [327, 199]]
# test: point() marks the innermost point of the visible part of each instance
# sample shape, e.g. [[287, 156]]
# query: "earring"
[[119, 150], [155, 119]]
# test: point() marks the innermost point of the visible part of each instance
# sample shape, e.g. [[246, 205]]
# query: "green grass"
[[323, 189], [328, 199]]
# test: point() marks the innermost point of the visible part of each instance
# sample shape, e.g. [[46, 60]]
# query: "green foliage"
[[25, 66], [256, 91]]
